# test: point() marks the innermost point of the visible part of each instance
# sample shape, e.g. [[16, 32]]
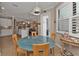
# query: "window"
[[63, 25]]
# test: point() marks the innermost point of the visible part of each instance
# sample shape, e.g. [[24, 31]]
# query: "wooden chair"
[[40, 47], [19, 51], [14, 39], [53, 38], [34, 33], [53, 35]]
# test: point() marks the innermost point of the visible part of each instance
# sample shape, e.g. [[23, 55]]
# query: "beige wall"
[[53, 18]]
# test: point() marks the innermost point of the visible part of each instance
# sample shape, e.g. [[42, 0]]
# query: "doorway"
[[45, 25]]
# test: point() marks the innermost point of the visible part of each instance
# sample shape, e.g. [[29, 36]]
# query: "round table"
[[26, 43]]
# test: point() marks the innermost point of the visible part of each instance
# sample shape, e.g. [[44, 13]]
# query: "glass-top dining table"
[[27, 42]]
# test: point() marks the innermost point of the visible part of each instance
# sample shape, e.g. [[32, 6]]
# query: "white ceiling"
[[22, 10]]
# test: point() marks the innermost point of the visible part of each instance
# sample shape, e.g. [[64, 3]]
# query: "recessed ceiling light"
[[2, 8], [15, 5]]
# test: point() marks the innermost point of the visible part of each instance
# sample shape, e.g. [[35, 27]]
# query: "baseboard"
[[6, 36]]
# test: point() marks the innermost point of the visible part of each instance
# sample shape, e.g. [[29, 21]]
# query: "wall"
[[53, 19]]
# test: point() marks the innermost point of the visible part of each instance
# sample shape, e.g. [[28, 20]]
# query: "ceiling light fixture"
[[2, 8], [36, 10]]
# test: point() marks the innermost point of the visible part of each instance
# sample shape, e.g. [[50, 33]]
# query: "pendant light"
[[36, 10]]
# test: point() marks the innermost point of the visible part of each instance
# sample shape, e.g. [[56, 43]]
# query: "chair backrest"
[[34, 33], [40, 47], [14, 39], [53, 35]]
